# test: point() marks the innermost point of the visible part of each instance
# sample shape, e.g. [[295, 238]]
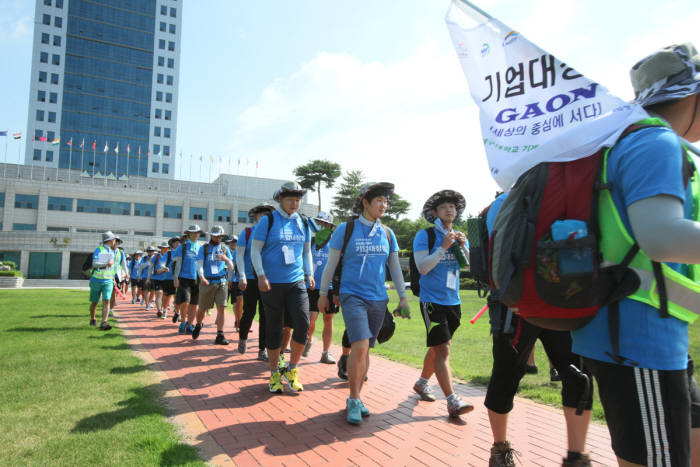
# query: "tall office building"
[[103, 92]]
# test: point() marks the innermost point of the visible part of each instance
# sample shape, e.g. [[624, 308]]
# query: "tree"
[[397, 207], [314, 173], [347, 193]]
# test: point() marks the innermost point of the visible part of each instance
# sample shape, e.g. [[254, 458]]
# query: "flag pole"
[[82, 159], [70, 159]]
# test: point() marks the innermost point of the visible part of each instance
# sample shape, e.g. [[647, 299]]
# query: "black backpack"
[[478, 237], [413, 269], [87, 265]]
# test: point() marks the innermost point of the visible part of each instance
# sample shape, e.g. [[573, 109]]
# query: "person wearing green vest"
[[637, 348], [102, 278]]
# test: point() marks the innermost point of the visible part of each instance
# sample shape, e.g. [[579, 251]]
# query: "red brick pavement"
[[238, 421]]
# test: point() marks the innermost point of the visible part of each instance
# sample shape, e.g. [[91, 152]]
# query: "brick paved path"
[[221, 399]]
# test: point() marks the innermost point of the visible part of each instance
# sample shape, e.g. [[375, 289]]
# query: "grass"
[[73, 395]]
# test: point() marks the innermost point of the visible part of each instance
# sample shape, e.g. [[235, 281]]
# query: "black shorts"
[[234, 292], [694, 395], [157, 284], [648, 412], [286, 305], [168, 286], [187, 292], [313, 301], [134, 282], [441, 322]]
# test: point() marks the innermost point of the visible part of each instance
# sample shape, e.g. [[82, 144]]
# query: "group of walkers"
[[289, 269]]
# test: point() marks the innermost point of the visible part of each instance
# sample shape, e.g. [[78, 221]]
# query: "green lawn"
[[72, 395]]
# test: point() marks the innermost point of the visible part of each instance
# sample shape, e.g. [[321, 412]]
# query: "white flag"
[[533, 108]]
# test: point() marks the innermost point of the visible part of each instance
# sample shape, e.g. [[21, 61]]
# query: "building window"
[[163, 26], [2, 199], [243, 217], [26, 201], [163, 10], [171, 63], [44, 57], [53, 97], [171, 46], [171, 29], [59, 3], [56, 59], [222, 215], [166, 150], [50, 228], [37, 154], [155, 167], [58, 22], [23, 226], [41, 96], [161, 44], [172, 234], [54, 78], [39, 115], [45, 38], [173, 12], [143, 234], [158, 113], [46, 19], [144, 210], [161, 61], [156, 149], [156, 131], [198, 214], [169, 80], [172, 212], [165, 168], [57, 41], [168, 114], [60, 204], [166, 132], [42, 76], [103, 207], [50, 135], [47, 2], [168, 97], [52, 117], [159, 96], [159, 78], [38, 134], [49, 156]]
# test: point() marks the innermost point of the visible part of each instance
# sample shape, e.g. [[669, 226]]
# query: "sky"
[[374, 85]]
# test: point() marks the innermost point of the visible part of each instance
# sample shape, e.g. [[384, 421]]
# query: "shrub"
[[13, 273], [12, 264]]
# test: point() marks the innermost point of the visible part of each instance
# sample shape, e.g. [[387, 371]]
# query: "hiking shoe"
[[424, 391], [148, 307], [105, 326], [262, 355], [292, 379], [288, 350], [133, 300], [307, 348], [343, 367], [93, 322], [456, 407], [364, 411], [182, 328], [584, 460], [281, 364], [326, 357], [242, 346], [276, 383], [176, 316], [220, 339], [531, 369], [196, 330], [502, 455], [165, 314], [554, 375], [353, 411], [189, 329], [159, 314]]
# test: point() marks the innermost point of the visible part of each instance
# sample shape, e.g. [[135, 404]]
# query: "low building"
[[50, 219]]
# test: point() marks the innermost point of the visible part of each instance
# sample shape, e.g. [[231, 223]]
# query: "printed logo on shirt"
[[367, 247]]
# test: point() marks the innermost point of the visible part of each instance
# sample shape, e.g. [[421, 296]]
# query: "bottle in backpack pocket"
[[572, 259]]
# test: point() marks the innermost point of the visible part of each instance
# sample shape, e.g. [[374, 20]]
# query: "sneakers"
[[353, 411], [182, 328], [176, 316], [364, 411], [105, 326], [531, 369], [189, 329], [307, 348], [281, 364], [133, 300], [456, 406], [424, 391], [502, 455], [276, 383], [584, 460], [242, 346], [262, 355], [196, 330], [292, 379], [236, 326], [343, 367], [165, 314], [111, 314], [93, 322], [326, 357], [148, 307], [554, 375], [158, 313], [220, 339]]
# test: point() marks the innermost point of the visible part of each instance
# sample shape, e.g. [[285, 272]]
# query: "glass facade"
[[60, 204], [145, 210], [23, 226], [107, 86], [222, 215], [27, 201], [103, 207], [198, 214], [172, 212]]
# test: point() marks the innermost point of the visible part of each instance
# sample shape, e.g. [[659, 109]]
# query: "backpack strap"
[[270, 219], [431, 238], [248, 231], [349, 227], [184, 248], [206, 251], [170, 258]]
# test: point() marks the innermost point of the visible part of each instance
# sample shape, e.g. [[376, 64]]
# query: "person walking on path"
[[173, 243], [368, 248], [185, 278], [319, 254], [146, 269], [133, 273], [213, 259], [436, 260], [102, 278], [281, 256], [235, 294], [163, 280], [121, 276], [248, 283]]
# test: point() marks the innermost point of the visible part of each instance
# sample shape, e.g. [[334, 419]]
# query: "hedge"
[[10, 273]]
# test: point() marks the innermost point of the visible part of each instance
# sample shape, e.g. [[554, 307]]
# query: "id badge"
[[451, 280], [288, 254]]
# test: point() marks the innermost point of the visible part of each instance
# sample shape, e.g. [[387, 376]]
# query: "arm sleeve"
[[178, 263], [240, 261], [256, 256], [327, 277], [397, 274], [425, 262], [200, 267], [308, 260]]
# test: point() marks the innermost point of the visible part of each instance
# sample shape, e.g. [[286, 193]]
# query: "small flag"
[[3, 133], [16, 135], [56, 141], [82, 144], [106, 147], [148, 153], [94, 144], [42, 138], [70, 143], [116, 149], [139, 152], [128, 149]]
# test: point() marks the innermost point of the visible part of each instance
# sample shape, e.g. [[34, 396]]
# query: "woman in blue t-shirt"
[[363, 297]]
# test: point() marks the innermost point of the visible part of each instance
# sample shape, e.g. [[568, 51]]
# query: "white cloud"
[[12, 28]]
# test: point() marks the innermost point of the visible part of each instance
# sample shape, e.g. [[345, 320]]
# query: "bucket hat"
[[231, 239], [172, 240], [258, 209], [138, 252], [668, 74], [371, 190], [151, 248], [324, 217], [216, 231], [108, 235], [194, 228], [289, 189], [163, 245], [440, 197]]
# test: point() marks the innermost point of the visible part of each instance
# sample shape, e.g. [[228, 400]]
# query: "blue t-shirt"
[[249, 271], [364, 262], [282, 255], [214, 269], [133, 268], [644, 164], [234, 275], [434, 285], [320, 259], [161, 261], [188, 269]]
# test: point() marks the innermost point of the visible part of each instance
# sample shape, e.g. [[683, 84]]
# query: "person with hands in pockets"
[[281, 256], [213, 259], [366, 250]]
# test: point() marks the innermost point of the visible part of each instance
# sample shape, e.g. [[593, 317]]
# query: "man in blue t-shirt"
[[235, 294], [644, 386], [185, 278], [439, 293], [162, 278], [133, 274]]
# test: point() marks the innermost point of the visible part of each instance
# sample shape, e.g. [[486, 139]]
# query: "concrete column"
[[185, 213], [43, 207], [24, 261], [210, 216], [158, 230], [65, 264], [9, 210]]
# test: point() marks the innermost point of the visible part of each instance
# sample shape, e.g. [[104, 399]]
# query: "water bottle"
[[459, 254]]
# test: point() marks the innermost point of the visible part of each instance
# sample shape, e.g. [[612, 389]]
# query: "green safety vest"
[[104, 273], [682, 292]]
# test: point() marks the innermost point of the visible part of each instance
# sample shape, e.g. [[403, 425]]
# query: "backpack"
[[552, 280], [413, 268], [271, 219], [478, 237], [87, 265]]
